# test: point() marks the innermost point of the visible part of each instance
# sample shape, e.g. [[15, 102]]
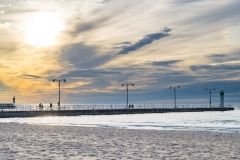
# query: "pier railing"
[[35, 107]]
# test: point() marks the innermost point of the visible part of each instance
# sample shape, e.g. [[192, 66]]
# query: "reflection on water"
[[228, 121]]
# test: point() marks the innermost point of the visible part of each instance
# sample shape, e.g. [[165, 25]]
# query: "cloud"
[[217, 56], [90, 73], [121, 44], [148, 39], [81, 27], [226, 58], [185, 1], [29, 76], [9, 47], [106, 1], [98, 79], [83, 56], [222, 67], [3, 87], [164, 63], [226, 12]]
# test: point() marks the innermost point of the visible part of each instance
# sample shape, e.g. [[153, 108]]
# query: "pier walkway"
[[101, 109]]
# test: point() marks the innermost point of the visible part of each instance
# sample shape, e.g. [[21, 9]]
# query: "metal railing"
[[35, 107]]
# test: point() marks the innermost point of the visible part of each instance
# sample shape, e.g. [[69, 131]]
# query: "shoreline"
[[74, 142], [123, 128]]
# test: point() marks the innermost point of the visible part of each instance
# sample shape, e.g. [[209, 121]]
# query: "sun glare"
[[42, 31]]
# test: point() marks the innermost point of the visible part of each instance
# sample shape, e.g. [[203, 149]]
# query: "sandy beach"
[[23, 141]]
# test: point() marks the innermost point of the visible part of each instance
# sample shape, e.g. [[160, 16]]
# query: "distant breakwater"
[[37, 113]]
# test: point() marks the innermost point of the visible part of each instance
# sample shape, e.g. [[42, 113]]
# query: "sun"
[[42, 31]]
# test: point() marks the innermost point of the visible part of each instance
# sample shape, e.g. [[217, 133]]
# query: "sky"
[[99, 45]]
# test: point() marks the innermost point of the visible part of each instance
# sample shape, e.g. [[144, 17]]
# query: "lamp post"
[[127, 89], [59, 81], [210, 89], [174, 88]]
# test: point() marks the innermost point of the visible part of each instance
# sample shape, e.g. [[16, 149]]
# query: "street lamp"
[[59, 81], [210, 89], [174, 88], [127, 89]]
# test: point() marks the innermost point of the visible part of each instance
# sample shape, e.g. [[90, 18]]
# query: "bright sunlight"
[[42, 31]]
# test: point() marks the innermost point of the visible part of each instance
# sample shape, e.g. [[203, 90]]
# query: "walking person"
[[50, 106], [40, 106], [58, 105]]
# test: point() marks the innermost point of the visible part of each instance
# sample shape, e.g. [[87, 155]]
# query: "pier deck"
[[106, 111]]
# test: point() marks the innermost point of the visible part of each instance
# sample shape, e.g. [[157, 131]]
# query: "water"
[[228, 121]]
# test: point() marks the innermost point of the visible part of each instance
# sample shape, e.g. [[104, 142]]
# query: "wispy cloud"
[[164, 63], [215, 67], [186, 1], [147, 39], [90, 73], [121, 44], [81, 27], [27, 76], [223, 13], [83, 56]]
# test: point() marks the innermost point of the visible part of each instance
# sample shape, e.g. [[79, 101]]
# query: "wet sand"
[[23, 141]]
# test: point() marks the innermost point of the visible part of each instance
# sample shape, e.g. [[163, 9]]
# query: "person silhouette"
[[59, 106], [51, 106]]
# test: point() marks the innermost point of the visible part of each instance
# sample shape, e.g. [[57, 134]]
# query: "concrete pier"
[[35, 113]]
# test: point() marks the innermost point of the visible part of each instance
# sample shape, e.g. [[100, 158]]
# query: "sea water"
[[227, 121]]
